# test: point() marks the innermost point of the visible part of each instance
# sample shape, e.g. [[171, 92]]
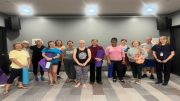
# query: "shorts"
[[150, 63]]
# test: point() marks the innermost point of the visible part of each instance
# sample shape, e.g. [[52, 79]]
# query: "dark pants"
[[124, 69], [136, 69], [35, 68], [59, 67], [13, 74], [70, 69], [117, 70], [95, 72], [163, 68]]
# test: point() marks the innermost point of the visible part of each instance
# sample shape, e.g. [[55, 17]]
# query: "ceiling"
[[76, 7]]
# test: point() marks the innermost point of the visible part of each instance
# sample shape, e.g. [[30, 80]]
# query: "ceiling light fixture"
[[91, 10], [25, 10]]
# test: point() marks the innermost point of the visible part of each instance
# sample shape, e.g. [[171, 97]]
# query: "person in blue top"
[[163, 52], [52, 54]]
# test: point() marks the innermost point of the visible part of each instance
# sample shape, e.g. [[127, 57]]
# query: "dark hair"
[[69, 41], [14, 45], [114, 39], [94, 40], [123, 40], [49, 43], [57, 41]]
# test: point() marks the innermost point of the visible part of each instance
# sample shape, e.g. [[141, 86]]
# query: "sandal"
[[5, 92]]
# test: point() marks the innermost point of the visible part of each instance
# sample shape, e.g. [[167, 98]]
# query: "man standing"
[[149, 62]]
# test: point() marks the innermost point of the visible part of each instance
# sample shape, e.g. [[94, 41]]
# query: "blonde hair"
[[164, 37]]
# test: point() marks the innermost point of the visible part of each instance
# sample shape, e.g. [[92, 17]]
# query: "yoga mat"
[[25, 76], [99, 54]]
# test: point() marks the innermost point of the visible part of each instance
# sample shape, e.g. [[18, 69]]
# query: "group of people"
[[77, 61]]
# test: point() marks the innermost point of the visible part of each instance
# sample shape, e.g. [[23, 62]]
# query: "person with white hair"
[[82, 57]]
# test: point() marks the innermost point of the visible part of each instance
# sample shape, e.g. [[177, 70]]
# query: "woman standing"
[[95, 70], [116, 56], [81, 56], [136, 57], [52, 55], [20, 59], [67, 57], [36, 57], [126, 48], [163, 53], [61, 47]]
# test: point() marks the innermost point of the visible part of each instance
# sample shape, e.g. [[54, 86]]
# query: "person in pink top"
[[116, 56]]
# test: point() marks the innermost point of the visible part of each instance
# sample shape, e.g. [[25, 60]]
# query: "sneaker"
[[165, 84], [122, 81], [99, 82], [138, 81], [42, 78], [144, 76], [36, 78], [59, 77], [158, 82], [91, 82], [152, 77], [114, 80]]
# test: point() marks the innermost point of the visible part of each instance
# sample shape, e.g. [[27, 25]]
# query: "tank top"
[[82, 55]]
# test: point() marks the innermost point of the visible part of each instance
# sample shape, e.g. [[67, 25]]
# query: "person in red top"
[[95, 71]]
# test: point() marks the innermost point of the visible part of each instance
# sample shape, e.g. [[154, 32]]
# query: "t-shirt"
[[163, 52], [148, 49], [132, 52], [21, 56], [115, 53], [68, 53], [52, 52], [94, 51], [36, 53], [126, 48]]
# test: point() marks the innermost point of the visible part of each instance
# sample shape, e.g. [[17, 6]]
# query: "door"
[[176, 41], [4, 61]]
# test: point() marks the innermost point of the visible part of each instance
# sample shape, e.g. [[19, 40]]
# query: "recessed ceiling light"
[[150, 9], [25, 10], [91, 10]]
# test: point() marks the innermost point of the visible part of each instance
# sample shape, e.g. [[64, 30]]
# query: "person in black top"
[[81, 56], [36, 57], [163, 53]]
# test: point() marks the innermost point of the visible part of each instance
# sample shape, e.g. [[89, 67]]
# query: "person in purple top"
[[95, 72]]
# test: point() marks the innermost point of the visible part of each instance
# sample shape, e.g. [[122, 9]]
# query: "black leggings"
[[35, 68], [59, 67], [136, 69], [13, 74]]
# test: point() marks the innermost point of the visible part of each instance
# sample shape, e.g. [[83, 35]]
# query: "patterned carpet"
[[109, 91]]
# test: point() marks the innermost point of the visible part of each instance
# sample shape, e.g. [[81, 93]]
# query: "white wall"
[[176, 19], [2, 20], [76, 28]]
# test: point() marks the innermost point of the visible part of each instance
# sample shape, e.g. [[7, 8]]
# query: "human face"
[[136, 44], [114, 43], [51, 45], [94, 43], [81, 43], [18, 46], [148, 40], [25, 45], [59, 43], [38, 43], [163, 40], [70, 44], [123, 42]]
